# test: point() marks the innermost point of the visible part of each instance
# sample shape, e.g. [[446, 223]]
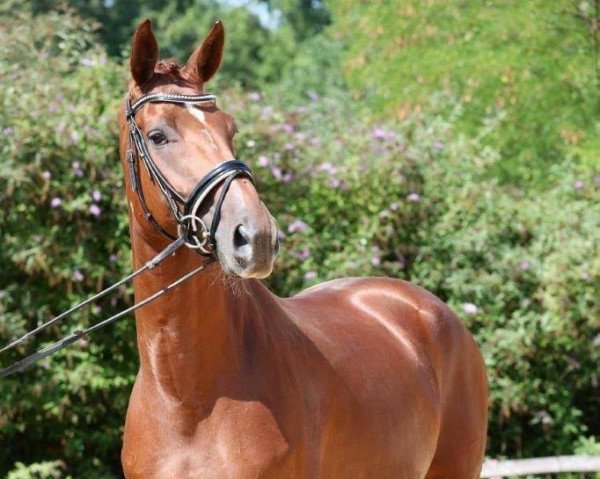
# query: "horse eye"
[[157, 138]]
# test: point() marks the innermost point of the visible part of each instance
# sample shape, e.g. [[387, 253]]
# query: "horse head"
[[182, 144]]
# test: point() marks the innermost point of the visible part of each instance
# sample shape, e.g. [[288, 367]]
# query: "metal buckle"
[[190, 231]]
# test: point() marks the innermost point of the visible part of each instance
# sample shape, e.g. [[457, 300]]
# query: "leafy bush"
[[532, 62], [411, 199], [64, 234]]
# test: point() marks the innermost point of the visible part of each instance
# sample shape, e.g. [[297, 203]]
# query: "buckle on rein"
[[197, 239]]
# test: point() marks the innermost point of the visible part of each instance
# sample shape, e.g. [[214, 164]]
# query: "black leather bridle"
[[185, 210]]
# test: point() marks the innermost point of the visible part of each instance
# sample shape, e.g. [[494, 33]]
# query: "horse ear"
[[206, 59], [144, 53]]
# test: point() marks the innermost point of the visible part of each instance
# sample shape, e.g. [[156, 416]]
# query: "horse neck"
[[188, 339]]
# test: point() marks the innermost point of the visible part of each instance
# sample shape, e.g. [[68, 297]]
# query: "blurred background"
[[451, 143]]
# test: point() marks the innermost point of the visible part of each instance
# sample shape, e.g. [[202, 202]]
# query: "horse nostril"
[[241, 237]]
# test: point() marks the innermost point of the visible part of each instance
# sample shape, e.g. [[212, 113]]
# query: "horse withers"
[[353, 378]]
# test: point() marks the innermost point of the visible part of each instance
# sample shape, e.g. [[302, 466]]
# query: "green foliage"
[[254, 53], [315, 71], [64, 233], [534, 63], [410, 198], [306, 17], [40, 470], [116, 19]]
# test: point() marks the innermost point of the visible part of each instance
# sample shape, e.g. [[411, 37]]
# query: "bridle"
[[191, 230], [185, 211]]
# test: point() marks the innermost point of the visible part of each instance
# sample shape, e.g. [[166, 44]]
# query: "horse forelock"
[[169, 68], [166, 73]]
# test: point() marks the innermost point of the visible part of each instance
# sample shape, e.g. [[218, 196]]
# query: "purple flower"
[[46, 175], [287, 178], [315, 141], [303, 254], [77, 276], [287, 127], [276, 172], [87, 62], [524, 265], [113, 258], [470, 308], [254, 96], [297, 226], [288, 146], [281, 235], [394, 206], [313, 96], [378, 133], [438, 145], [376, 261], [310, 275], [578, 184], [96, 195], [77, 170], [55, 202], [8, 131], [95, 210], [328, 167], [263, 161], [413, 197]]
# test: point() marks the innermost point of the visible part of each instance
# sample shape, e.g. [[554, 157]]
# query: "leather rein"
[[192, 231]]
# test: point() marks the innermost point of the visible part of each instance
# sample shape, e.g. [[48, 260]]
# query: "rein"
[[191, 230]]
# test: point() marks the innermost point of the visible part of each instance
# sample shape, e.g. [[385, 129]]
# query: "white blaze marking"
[[199, 115], [196, 113]]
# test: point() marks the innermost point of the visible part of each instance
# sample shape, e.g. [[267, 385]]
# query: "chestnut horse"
[[353, 378]]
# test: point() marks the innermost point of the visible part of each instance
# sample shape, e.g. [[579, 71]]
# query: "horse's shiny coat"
[[354, 378]]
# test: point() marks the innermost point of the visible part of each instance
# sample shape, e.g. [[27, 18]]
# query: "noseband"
[[185, 210]]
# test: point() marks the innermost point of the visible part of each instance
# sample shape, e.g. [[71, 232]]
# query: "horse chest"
[[239, 439]]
